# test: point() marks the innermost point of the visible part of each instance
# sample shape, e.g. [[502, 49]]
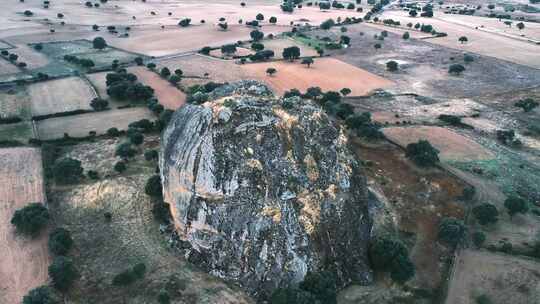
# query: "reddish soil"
[[167, 94], [24, 260]]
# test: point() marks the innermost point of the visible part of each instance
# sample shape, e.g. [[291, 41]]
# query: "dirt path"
[[24, 261]]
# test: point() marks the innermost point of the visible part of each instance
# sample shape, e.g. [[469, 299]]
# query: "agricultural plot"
[[200, 69], [7, 68], [24, 261], [31, 57], [326, 73], [60, 96], [20, 132], [166, 93], [277, 45], [82, 125], [502, 278], [451, 145], [15, 103]]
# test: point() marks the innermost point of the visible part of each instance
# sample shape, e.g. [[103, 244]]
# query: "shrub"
[[30, 219], [478, 238], [92, 174], [113, 132], [153, 186], [60, 241], [516, 204], [456, 69], [67, 170], [125, 150], [120, 167], [99, 43], [422, 153], [527, 104], [151, 155], [389, 255], [184, 22], [63, 273], [99, 104], [136, 138], [392, 66], [129, 276], [322, 285], [39, 295]]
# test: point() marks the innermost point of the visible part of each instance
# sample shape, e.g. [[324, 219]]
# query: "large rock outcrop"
[[264, 189]]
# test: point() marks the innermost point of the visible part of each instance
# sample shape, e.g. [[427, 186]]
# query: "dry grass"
[[99, 122], [24, 261], [61, 95]]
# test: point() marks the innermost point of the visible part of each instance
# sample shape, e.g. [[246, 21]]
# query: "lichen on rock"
[[262, 194]]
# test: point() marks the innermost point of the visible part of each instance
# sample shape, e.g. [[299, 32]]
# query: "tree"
[[452, 231], [422, 153], [291, 53], [345, 91], [463, 39], [125, 150], [392, 66], [377, 46], [389, 255], [179, 72], [520, 26], [271, 71], [99, 43], [456, 69], [491, 6], [163, 297], [256, 35], [467, 58], [30, 219], [259, 17], [151, 155], [138, 61], [151, 65], [136, 138], [516, 204], [60, 241], [67, 170], [406, 35], [63, 273], [153, 186], [184, 22], [272, 20], [326, 25], [39, 295], [307, 61], [174, 79], [165, 72], [478, 238], [120, 166], [486, 213], [228, 49], [99, 104], [527, 104], [256, 46], [413, 13], [321, 284]]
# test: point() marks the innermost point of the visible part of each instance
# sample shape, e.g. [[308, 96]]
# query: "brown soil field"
[[218, 70], [326, 73], [277, 45], [14, 102], [167, 94], [481, 42], [416, 200], [61, 95], [24, 261], [451, 145], [503, 278], [81, 125]]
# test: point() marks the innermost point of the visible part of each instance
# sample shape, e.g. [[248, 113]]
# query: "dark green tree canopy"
[[31, 219]]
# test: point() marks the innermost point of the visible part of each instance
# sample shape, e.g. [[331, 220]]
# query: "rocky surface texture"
[[264, 190]]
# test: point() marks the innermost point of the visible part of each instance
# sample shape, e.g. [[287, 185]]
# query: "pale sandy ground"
[[61, 95], [480, 42], [99, 122], [504, 278], [24, 261], [168, 95], [451, 145], [326, 73]]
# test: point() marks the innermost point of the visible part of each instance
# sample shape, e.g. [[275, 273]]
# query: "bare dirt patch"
[[24, 261], [451, 145], [503, 278], [326, 73], [99, 122], [61, 95], [167, 94]]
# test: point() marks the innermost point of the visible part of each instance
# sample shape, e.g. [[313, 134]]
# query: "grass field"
[[167, 94], [24, 260], [61, 95], [15, 103], [21, 132], [451, 145], [326, 73], [99, 122]]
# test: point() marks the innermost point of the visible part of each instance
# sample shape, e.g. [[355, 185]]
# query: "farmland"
[[99, 122], [167, 94], [60, 96], [24, 261], [324, 73]]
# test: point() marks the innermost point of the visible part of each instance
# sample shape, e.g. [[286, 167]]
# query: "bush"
[[516, 204], [136, 138], [120, 166], [40, 295], [60, 241], [527, 104], [483, 299], [478, 238], [392, 66], [322, 285], [129, 276], [485, 213], [30, 219], [452, 231], [151, 155], [389, 255], [113, 132], [125, 150], [63, 273], [422, 153], [153, 186], [67, 170], [456, 69], [99, 104]]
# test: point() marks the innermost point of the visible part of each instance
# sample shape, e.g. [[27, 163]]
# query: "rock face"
[[264, 194]]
